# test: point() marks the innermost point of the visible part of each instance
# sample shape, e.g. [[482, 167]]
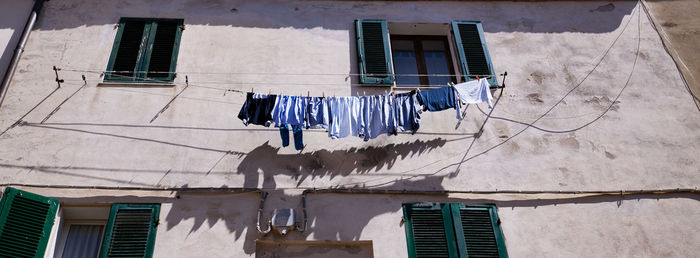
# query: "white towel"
[[475, 91]]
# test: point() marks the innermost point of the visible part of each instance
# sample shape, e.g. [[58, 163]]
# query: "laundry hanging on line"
[[366, 117], [475, 91]]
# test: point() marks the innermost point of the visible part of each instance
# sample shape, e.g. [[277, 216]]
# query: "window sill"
[[135, 84]]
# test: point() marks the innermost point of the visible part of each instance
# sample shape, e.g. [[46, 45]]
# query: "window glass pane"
[[436, 61], [404, 62], [83, 241]]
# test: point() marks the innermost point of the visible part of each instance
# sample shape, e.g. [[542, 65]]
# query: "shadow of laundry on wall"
[[266, 159]]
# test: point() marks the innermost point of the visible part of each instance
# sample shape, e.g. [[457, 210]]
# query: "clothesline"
[[274, 74], [364, 116]]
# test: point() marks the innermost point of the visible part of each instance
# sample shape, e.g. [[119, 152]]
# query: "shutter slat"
[[162, 49]]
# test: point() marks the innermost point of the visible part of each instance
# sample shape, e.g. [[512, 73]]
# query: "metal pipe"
[[446, 192], [20, 48], [263, 196]]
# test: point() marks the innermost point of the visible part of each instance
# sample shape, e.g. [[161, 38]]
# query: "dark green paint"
[[154, 210], [19, 217], [144, 54], [453, 229], [493, 81], [365, 76]]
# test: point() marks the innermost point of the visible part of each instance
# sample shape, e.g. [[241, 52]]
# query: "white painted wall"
[[102, 135]]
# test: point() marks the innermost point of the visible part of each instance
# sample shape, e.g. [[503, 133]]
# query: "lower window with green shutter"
[[131, 230], [25, 223], [453, 230]]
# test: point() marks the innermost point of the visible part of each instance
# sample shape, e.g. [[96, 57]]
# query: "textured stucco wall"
[[102, 135]]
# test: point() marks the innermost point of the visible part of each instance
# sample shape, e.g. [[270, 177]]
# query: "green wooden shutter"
[[429, 230], [373, 53], [148, 47], [164, 49], [478, 230], [25, 223], [131, 230], [473, 54], [127, 51]]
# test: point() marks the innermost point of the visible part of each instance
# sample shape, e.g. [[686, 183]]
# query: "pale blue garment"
[[317, 115], [378, 116], [289, 110], [344, 116], [407, 113]]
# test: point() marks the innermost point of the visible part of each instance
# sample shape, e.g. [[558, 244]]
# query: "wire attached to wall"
[[187, 84]]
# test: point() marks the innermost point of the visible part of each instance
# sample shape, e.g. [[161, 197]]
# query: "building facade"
[[590, 150]]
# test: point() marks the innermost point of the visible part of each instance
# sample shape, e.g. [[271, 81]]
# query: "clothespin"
[[251, 90], [269, 92], [477, 77], [308, 94], [323, 94]]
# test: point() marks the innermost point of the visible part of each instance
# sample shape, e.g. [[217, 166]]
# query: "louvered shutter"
[[478, 230], [131, 230], [127, 52], [429, 230], [25, 223], [163, 51], [373, 59], [145, 50], [473, 54]]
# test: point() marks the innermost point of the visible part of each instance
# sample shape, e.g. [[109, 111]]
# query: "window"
[[80, 239], [421, 55], [145, 50], [453, 230], [382, 61], [124, 230]]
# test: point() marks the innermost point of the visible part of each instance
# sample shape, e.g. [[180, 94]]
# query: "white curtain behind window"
[[83, 241]]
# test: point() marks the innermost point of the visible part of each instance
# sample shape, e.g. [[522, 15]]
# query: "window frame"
[[420, 57], [65, 229], [143, 58]]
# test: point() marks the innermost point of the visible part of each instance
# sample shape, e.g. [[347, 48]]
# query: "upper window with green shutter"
[[145, 51], [453, 230], [421, 54]]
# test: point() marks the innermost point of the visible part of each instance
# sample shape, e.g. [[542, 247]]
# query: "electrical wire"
[[634, 64], [529, 125]]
